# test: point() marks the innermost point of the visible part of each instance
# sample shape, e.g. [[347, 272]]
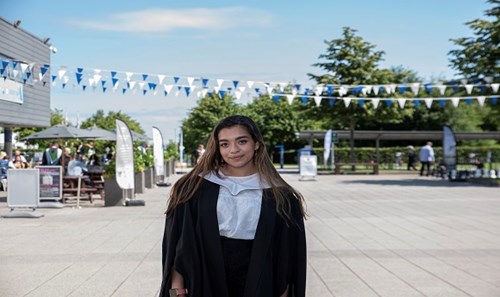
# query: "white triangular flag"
[[65, 79], [289, 98], [24, 67], [237, 94], [168, 88], [129, 75], [363, 91], [269, 90], [468, 88], [455, 101], [91, 82], [368, 89], [161, 77], [415, 87], [401, 103], [347, 101], [488, 79], [428, 102], [97, 78], [250, 83], [494, 87], [15, 72], [375, 103], [141, 85], [220, 82], [342, 91], [97, 71], [190, 81], [61, 73], [375, 90], [441, 89], [390, 89], [463, 81], [204, 92], [317, 99], [318, 90], [132, 84], [294, 91], [198, 94], [216, 90], [481, 99]]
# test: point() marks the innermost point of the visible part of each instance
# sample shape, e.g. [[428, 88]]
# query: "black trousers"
[[236, 254], [425, 164]]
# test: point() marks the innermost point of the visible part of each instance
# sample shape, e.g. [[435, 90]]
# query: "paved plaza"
[[385, 235]]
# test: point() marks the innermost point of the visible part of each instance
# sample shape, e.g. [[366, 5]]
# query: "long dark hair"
[[211, 161]]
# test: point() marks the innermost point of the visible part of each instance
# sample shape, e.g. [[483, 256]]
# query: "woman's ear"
[[257, 145]]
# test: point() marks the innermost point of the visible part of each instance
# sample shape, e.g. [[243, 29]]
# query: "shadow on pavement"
[[419, 182]]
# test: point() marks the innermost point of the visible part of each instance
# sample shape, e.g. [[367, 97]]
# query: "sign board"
[[22, 190], [50, 179], [11, 91], [308, 165], [124, 156]]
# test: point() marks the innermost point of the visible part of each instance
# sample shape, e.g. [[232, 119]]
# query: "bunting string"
[[125, 82]]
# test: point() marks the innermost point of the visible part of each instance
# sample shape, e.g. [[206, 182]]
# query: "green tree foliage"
[[277, 121], [352, 61], [479, 55], [99, 119], [203, 118]]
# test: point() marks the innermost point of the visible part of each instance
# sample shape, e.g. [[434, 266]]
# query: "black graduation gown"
[[191, 244]]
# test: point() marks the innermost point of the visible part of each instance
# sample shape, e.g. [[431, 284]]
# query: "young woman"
[[234, 227]]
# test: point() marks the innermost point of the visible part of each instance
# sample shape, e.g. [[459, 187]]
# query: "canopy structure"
[[61, 132]]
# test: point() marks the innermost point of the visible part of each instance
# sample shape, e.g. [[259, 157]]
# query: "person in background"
[[233, 226], [76, 166], [18, 162], [411, 157], [198, 153], [426, 156], [52, 155], [18, 153]]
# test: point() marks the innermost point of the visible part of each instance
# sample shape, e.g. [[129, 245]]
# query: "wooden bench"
[[83, 191], [340, 167]]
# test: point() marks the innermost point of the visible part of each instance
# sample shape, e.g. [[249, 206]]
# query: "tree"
[[479, 55], [204, 117], [99, 119], [352, 61]]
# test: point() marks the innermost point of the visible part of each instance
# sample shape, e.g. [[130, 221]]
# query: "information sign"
[[50, 182]]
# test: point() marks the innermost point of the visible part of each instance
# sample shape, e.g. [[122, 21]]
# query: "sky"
[[231, 40]]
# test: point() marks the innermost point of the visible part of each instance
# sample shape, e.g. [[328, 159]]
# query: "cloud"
[[164, 20]]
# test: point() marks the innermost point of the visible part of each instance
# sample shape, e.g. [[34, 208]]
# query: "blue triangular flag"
[[402, 89], [276, 98], [103, 83], [235, 83], [113, 74], [54, 77], [331, 102], [28, 75], [361, 102], [306, 91], [63, 85], [257, 90], [204, 81], [329, 90], [43, 70], [210, 94], [104, 90], [152, 86], [165, 93], [144, 76], [78, 78], [416, 102], [493, 100], [428, 88], [128, 85], [114, 80], [124, 90], [304, 100], [188, 90], [222, 93], [442, 102], [84, 87], [144, 92], [44, 83], [14, 64], [297, 87], [79, 70], [176, 79], [2, 72], [468, 101], [5, 64], [179, 88], [481, 89], [388, 102]]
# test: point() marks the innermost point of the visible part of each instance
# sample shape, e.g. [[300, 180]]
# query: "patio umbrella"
[[102, 134], [61, 132]]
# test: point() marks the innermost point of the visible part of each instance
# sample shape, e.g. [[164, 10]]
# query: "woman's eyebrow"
[[237, 138]]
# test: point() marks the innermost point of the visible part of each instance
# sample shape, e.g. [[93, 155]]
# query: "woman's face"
[[237, 148]]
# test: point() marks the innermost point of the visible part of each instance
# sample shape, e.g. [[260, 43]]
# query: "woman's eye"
[[243, 141], [223, 144]]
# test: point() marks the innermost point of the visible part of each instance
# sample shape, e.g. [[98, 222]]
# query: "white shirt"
[[238, 205]]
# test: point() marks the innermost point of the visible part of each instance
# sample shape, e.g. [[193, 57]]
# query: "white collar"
[[236, 184]]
